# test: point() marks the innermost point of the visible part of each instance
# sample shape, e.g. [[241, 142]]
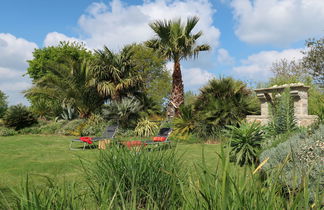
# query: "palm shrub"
[[146, 128], [282, 113], [303, 154], [245, 142], [124, 112], [222, 102], [185, 123], [18, 117]]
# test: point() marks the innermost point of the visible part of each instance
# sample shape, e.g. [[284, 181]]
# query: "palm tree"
[[114, 74], [69, 84], [175, 42]]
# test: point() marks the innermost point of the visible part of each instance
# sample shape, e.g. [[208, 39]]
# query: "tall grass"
[[130, 179], [136, 179]]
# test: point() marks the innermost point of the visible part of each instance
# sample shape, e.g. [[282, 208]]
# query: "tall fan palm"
[[175, 42], [114, 74], [69, 84]]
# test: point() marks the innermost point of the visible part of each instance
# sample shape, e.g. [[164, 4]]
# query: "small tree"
[[314, 59], [3, 103]]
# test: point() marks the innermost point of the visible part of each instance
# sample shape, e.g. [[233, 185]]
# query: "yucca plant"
[[245, 142], [146, 128]]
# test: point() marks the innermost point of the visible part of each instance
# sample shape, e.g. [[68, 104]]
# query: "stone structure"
[[298, 91]]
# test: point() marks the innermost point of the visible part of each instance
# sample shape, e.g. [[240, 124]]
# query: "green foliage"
[[176, 41], [69, 83], [93, 126], [73, 127], [52, 127], [189, 97], [245, 142], [47, 56], [18, 117], [3, 103], [145, 128], [136, 179], [151, 67], [124, 113], [302, 156], [223, 102], [185, 124], [282, 113], [313, 60], [7, 131], [68, 112], [114, 74]]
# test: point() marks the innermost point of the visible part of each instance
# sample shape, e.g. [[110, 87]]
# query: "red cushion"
[[133, 143], [86, 139], [159, 138]]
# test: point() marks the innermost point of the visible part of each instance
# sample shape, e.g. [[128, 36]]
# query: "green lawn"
[[50, 155]]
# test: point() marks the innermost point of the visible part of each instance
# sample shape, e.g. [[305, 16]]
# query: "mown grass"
[[50, 156]]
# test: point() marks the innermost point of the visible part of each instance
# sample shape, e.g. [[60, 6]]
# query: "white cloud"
[[54, 38], [116, 24], [194, 78], [257, 66], [278, 21], [224, 57], [14, 53]]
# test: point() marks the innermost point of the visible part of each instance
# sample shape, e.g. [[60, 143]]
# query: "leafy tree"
[[61, 54], [114, 74], [314, 59], [156, 78], [69, 83], [3, 103], [176, 42]]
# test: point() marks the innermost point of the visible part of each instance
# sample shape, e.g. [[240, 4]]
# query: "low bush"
[[245, 142], [52, 127], [302, 155], [146, 128], [73, 127], [19, 117], [7, 131], [93, 126]]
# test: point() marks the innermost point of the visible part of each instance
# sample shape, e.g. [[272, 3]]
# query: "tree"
[[314, 59], [156, 78], [114, 74], [3, 103], [69, 83], [176, 42], [43, 57]]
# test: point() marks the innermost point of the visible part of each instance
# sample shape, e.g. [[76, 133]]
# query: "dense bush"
[[245, 142], [223, 102], [93, 126], [19, 117], [3, 103], [7, 131], [301, 154]]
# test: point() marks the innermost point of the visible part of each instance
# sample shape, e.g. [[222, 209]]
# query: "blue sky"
[[246, 35]]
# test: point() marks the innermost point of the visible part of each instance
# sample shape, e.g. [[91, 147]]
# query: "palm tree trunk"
[[177, 95]]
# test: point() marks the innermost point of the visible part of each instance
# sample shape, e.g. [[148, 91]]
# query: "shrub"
[[223, 102], [185, 124], [245, 142], [93, 126], [73, 127], [302, 155], [136, 179], [7, 131], [145, 128], [30, 130], [52, 127], [19, 117]]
